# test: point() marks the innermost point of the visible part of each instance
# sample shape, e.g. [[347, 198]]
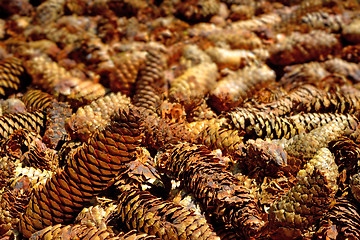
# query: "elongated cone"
[[73, 232], [145, 212], [262, 125], [193, 84], [220, 193], [87, 173], [150, 82], [309, 199], [37, 100], [95, 116], [347, 69], [334, 103], [291, 102], [33, 121], [341, 222], [217, 136], [296, 76], [57, 114], [56, 80], [233, 59], [232, 90], [323, 20], [259, 22], [305, 145], [12, 76], [311, 121], [122, 78], [303, 47]]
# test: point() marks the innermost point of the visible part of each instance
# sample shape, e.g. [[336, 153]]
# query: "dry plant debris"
[[166, 119]]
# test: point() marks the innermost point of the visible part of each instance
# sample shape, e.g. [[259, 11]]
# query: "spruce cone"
[[88, 173], [305, 145], [341, 222], [122, 78], [217, 136], [150, 82], [33, 121], [299, 48], [234, 89], [291, 102], [95, 116], [217, 189], [147, 213], [57, 115], [261, 125], [13, 76], [305, 203], [73, 232], [37, 100], [193, 84]]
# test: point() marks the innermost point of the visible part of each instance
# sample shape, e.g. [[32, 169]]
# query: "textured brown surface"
[[193, 84], [33, 121], [232, 90], [12, 76], [96, 115], [309, 199], [341, 222], [36, 99], [151, 81], [127, 68], [263, 125], [219, 192], [229, 101], [70, 189], [299, 48], [147, 213]]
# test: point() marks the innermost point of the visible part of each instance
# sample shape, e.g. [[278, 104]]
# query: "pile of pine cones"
[[168, 119]]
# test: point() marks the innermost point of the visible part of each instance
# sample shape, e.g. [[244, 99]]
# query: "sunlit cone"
[[147, 213], [13, 76], [308, 201], [219, 192], [87, 173]]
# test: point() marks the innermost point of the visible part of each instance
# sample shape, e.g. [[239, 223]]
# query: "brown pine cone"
[[13, 76], [308, 201], [96, 115], [57, 115], [123, 77], [341, 222], [303, 47], [87, 173], [37, 100], [59, 231], [220, 193], [147, 213], [232, 90], [33, 121], [193, 84], [150, 82]]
